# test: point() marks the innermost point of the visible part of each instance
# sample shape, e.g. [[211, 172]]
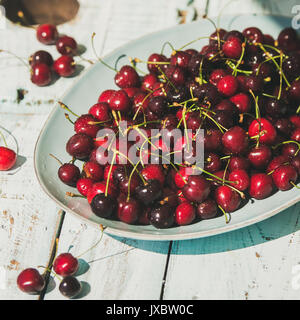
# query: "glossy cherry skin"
[[212, 140], [100, 187], [30, 281], [46, 33], [176, 75], [155, 57], [232, 48], [66, 46], [86, 124], [283, 176], [103, 206], [294, 90], [296, 135], [180, 59], [185, 214], [217, 75], [149, 192], [8, 158], [207, 93], [69, 174], [212, 162], [154, 171], [196, 189], [41, 56], [227, 198], [254, 35], [70, 287], [64, 66], [235, 140], [228, 85], [265, 129], [216, 37], [277, 162], [260, 156], [132, 184], [290, 149], [261, 186], [100, 111], [65, 264], [148, 82], [287, 39], [162, 217], [93, 171], [158, 105], [276, 108], [207, 209], [83, 185], [120, 101], [80, 146], [128, 211], [106, 95], [295, 161], [240, 179], [41, 74], [242, 102], [238, 163], [127, 77]]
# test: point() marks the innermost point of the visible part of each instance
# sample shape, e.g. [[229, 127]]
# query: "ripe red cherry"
[[162, 217], [238, 163], [295, 161], [232, 48], [253, 35], [283, 176], [240, 179], [290, 149], [295, 119], [212, 140], [296, 135], [264, 128], [277, 162], [65, 264], [8, 158], [64, 66], [154, 171], [176, 75], [128, 211], [127, 77], [46, 33], [294, 90], [93, 170], [261, 186], [100, 111], [41, 56], [69, 174], [66, 46], [80, 146], [242, 102], [185, 214], [119, 101], [106, 95], [155, 57], [83, 185], [148, 82], [212, 162], [260, 156], [86, 124], [217, 75], [196, 189], [180, 59], [207, 209], [30, 281], [235, 140], [100, 187], [228, 85], [227, 198], [41, 74]]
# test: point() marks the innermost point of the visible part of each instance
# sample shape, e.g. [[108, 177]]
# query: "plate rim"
[[142, 236]]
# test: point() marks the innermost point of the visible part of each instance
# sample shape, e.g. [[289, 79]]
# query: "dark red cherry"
[[207, 93], [232, 48], [276, 108], [217, 75], [119, 101], [261, 186], [128, 211], [277, 161], [100, 188], [294, 90], [180, 59], [284, 177], [295, 119], [80, 146], [212, 140], [149, 192], [30, 281], [296, 135], [70, 287], [41, 56], [158, 105], [253, 35], [103, 206], [194, 121], [64, 66], [86, 124], [238, 163], [132, 184], [222, 175], [260, 156], [240, 179], [100, 111], [268, 39], [234, 34], [227, 198], [65, 264], [287, 39], [216, 37], [176, 75], [185, 214], [207, 209], [69, 174], [66, 46], [295, 161], [235, 140], [242, 102], [106, 95], [83, 185], [148, 82], [41, 74], [195, 62], [291, 65], [162, 217], [155, 57], [265, 129], [284, 126], [212, 162], [290, 149], [196, 189], [46, 33], [228, 85], [153, 171], [180, 94], [127, 77], [93, 170]]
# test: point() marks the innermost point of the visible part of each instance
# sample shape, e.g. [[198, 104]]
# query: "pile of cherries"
[[43, 68], [242, 89], [65, 265]]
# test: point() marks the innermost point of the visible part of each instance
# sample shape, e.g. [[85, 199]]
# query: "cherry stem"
[[293, 184], [109, 173], [3, 138], [68, 118], [164, 45], [74, 195], [225, 214], [130, 177], [14, 55], [288, 141], [53, 156], [63, 106], [51, 271]]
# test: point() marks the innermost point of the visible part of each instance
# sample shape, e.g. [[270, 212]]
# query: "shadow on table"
[[282, 224]]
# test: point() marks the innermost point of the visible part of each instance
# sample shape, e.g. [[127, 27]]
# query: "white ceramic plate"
[[85, 92]]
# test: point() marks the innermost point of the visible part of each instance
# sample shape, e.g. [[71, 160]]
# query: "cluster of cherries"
[[43, 67], [65, 265], [8, 157], [242, 89]]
